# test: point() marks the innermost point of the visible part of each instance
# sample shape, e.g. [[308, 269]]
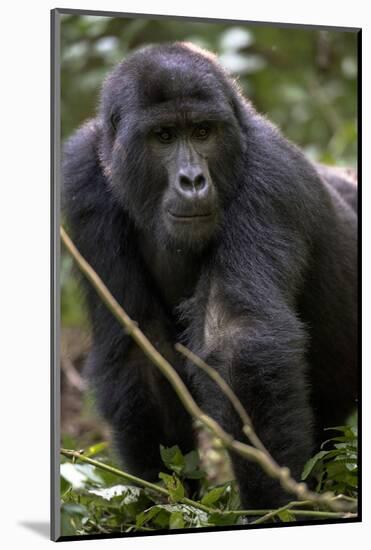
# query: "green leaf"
[[73, 509], [173, 458], [176, 520], [96, 449], [192, 466], [232, 492], [173, 485], [192, 461], [223, 519], [72, 516], [127, 499], [161, 519], [166, 478], [213, 496], [350, 432], [65, 486], [335, 468], [310, 464], [286, 515], [147, 515], [174, 516]]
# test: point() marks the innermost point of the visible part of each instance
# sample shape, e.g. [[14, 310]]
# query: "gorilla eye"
[[165, 135], [202, 131]]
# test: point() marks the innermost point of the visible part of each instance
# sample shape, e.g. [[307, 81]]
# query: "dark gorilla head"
[[172, 141]]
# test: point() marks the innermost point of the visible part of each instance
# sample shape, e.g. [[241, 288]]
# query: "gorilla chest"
[[173, 274]]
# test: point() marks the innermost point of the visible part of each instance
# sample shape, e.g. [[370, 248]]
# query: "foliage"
[[94, 502], [336, 469]]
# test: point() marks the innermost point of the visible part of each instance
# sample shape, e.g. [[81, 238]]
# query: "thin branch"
[[315, 514], [247, 426], [291, 507], [72, 374], [264, 459], [288, 506]]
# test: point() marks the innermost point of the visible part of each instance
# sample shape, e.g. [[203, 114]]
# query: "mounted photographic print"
[[204, 275]]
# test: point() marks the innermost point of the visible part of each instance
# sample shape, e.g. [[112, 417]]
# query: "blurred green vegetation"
[[303, 80]]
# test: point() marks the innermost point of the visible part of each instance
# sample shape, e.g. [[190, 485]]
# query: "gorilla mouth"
[[190, 217]]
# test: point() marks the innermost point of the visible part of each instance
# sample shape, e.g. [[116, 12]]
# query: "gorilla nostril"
[[199, 182], [185, 182], [192, 184]]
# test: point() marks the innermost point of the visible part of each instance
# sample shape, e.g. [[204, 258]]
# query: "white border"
[[25, 300]]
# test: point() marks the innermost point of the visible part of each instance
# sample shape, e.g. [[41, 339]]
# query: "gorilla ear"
[[241, 107], [114, 120]]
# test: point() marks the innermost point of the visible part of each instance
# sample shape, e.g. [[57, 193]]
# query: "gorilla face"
[[172, 139], [189, 204]]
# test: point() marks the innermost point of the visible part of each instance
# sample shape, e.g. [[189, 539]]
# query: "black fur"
[[265, 291]]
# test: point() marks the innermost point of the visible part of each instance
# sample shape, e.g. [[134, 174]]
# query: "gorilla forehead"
[[178, 76], [173, 73]]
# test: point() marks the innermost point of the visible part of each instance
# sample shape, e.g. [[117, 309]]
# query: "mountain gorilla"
[[211, 229]]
